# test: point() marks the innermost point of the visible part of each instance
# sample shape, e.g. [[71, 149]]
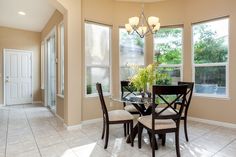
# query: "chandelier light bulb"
[[153, 21], [128, 28], [134, 21]]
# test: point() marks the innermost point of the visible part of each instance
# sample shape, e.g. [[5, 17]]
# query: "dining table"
[[142, 104]]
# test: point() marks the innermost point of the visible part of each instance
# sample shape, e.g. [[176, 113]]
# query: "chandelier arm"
[[150, 29], [141, 36], [147, 33]]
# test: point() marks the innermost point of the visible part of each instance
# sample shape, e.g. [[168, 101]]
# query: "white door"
[[18, 77]]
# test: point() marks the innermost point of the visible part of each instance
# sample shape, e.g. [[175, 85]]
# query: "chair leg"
[[185, 129], [140, 130], [177, 143], [131, 134], [103, 129], [163, 139], [125, 129], [128, 129], [107, 136], [153, 144]]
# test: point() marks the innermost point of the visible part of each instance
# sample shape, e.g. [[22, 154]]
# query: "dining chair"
[[157, 123], [126, 91], [184, 115], [113, 117]]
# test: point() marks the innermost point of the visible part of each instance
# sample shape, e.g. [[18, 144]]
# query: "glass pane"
[[131, 49], [210, 80], [210, 41], [172, 72], [168, 46], [94, 75], [97, 44], [127, 72]]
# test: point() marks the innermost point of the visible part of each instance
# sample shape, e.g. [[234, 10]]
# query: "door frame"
[[32, 76]]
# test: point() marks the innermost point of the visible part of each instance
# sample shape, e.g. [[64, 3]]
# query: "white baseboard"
[[72, 127], [1, 105], [212, 122], [86, 122], [91, 121], [37, 102], [59, 117]]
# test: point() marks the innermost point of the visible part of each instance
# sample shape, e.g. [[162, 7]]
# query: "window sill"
[[209, 96], [96, 95], [60, 96]]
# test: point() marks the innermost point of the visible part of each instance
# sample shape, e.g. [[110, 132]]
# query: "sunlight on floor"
[[84, 151]]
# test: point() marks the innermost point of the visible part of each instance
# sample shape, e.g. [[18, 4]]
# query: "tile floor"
[[33, 131]]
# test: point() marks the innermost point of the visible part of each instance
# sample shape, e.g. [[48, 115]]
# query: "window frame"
[[98, 66], [60, 56], [180, 66], [220, 64], [145, 54]]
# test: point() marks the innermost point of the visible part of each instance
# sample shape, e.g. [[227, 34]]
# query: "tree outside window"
[[210, 62], [168, 52]]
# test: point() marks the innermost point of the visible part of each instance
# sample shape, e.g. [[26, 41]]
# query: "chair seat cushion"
[[160, 124], [119, 115], [168, 111], [130, 108]]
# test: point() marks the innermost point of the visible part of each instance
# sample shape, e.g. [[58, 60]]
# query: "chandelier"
[[143, 26]]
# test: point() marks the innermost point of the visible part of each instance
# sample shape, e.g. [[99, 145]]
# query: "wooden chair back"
[[102, 101], [169, 96], [189, 94]]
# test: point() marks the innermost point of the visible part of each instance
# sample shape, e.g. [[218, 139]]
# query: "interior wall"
[[170, 13], [22, 40], [54, 22], [202, 107]]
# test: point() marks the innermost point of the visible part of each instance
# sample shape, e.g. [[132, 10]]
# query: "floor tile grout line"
[[7, 132], [66, 141], [203, 134], [224, 147], [32, 131], [59, 133]]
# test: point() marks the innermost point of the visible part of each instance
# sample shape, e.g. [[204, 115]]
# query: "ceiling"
[[38, 12]]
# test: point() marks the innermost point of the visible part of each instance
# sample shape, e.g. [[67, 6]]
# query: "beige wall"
[[170, 13], [22, 40], [212, 108], [54, 22], [71, 10], [77, 107]]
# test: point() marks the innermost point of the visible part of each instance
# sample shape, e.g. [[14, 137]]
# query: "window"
[[210, 59], [168, 43], [131, 53], [62, 49], [97, 57]]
